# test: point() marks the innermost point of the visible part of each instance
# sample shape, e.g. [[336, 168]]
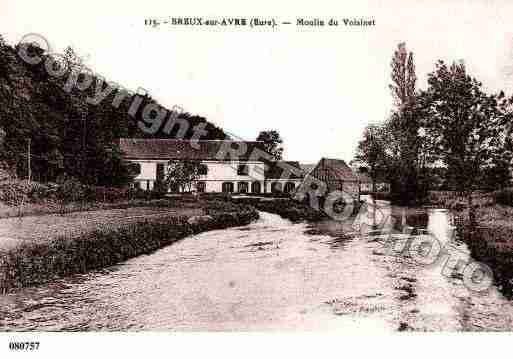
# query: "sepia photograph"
[[172, 169]]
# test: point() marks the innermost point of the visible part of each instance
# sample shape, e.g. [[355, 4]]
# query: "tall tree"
[[272, 143], [403, 76], [466, 126], [405, 123]]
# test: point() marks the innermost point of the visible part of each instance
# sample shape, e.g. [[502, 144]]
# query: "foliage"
[[394, 151], [272, 143], [407, 146], [403, 76], [451, 136], [72, 190], [36, 105], [182, 174], [466, 127], [504, 197], [14, 193], [372, 152]]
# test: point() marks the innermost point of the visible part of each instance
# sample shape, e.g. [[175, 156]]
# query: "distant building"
[[366, 184], [335, 174]]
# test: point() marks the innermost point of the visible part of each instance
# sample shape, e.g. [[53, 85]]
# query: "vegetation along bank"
[[35, 261]]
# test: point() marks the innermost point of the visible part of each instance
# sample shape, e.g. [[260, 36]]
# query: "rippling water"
[[270, 275]]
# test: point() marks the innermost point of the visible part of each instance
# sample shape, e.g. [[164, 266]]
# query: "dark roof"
[[165, 149], [275, 169], [333, 169]]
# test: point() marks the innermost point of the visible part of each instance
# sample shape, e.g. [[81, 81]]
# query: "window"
[[242, 170], [201, 187], [276, 187], [227, 187], [256, 187], [289, 187], [202, 170], [242, 187]]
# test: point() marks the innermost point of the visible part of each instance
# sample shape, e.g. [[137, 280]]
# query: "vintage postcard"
[[282, 168]]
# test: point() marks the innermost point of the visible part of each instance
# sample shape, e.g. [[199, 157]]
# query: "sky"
[[318, 86]]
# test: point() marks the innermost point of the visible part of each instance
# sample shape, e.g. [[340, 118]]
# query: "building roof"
[[329, 169], [307, 167], [274, 170], [167, 149]]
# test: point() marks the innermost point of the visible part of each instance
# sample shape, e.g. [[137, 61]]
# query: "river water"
[[271, 275]]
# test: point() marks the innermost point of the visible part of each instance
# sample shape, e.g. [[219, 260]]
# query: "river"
[[269, 275]]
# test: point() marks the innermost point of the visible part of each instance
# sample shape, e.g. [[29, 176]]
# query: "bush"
[[14, 193], [139, 193], [71, 190], [216, 206], [504, 197], [17, 192], [41, 191], [110, 194], [491, 244]]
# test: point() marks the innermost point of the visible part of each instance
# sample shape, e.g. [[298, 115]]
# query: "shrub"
[[41, 191], [216, 206], [14, 193], [504, 197], [491, 244], [72, 190], [110, 194]]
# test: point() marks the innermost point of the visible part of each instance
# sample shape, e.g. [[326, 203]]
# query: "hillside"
[[35, 106]]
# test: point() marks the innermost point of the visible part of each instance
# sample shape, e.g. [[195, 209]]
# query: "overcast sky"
[[318, 86]]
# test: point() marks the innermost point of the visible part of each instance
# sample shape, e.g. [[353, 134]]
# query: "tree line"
[[63, 133], [453, 135]]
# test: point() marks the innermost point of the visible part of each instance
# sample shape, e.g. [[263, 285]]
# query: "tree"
[[371, 152], [466, 126], [182, 174], [272, 143], [404, 124], [403, 76], [37, 105]]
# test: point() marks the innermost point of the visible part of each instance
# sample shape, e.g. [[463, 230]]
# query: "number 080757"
[[24, 345]]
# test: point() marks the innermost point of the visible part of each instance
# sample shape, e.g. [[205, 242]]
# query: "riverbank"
[[288, 208], [491, 242], [35, 250]]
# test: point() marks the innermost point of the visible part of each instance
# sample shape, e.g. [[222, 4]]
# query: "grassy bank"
[[456, 201], [288, 208], [491, 242], [59, 253]]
